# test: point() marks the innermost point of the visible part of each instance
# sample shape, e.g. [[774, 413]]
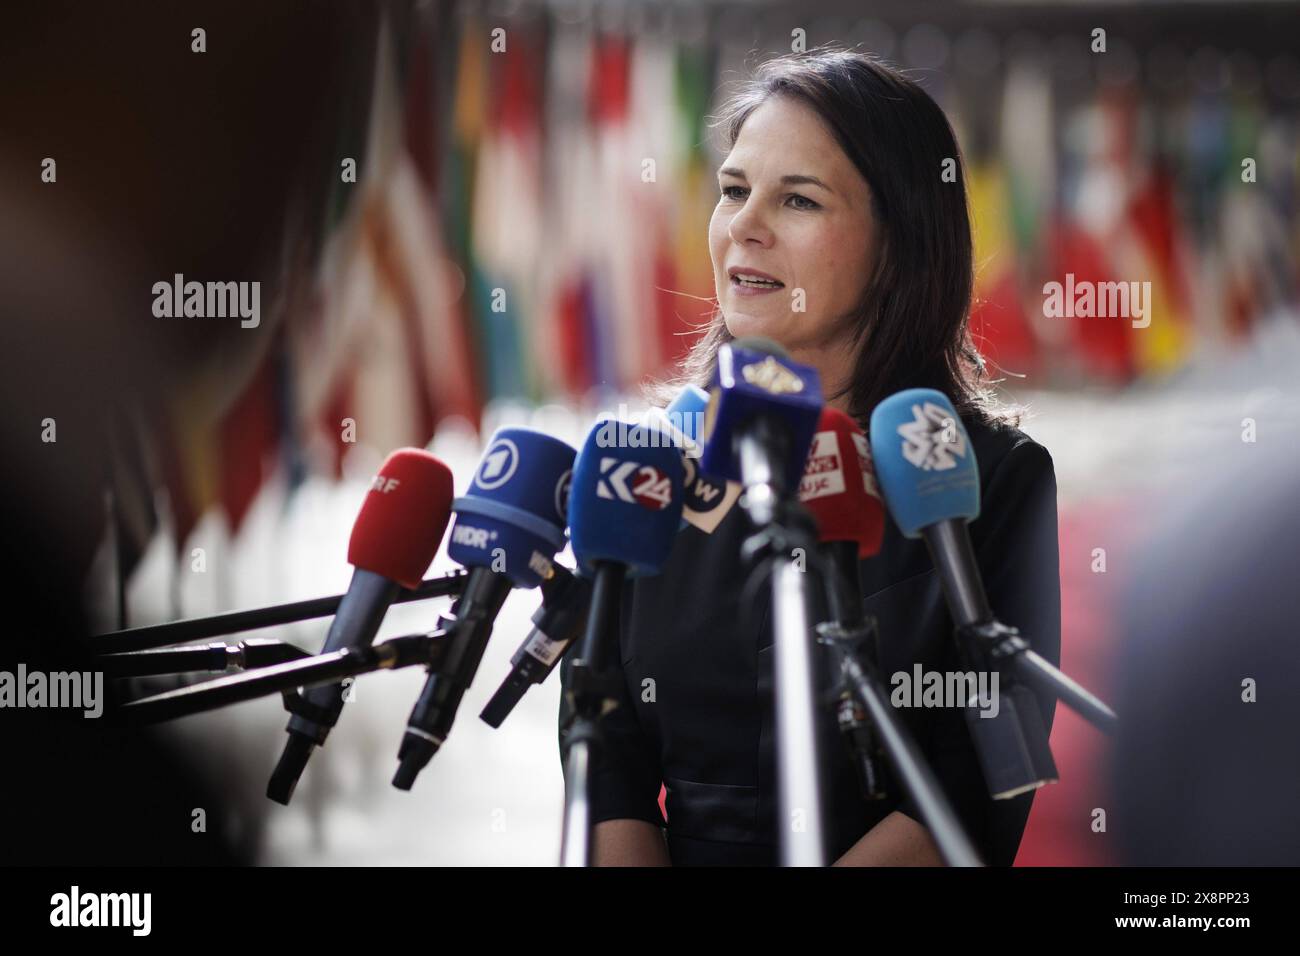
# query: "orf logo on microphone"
[[635, 483], [932, 438], [384, 484]]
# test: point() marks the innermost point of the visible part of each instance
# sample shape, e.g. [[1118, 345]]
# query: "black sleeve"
[[625, 775], [1016, 546]]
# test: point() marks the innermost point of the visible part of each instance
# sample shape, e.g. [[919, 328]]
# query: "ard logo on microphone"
[[932, 438], [635, 483], [499, 464]]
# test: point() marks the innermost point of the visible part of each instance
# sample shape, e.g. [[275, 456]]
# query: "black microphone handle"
[[602, 615], [954, 560], [844, 589], [557, 625], [355, 625], [359, 615], [435, 709]]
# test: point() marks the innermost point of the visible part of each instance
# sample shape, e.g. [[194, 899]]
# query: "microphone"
[[839, 490], [763, 410], [394, 540], [508, 527], [624, 514], [556, 624], [707, 499], [930, 479], [565, 598]]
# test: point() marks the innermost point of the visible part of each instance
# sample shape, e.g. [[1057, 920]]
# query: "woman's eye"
[[802, 203]]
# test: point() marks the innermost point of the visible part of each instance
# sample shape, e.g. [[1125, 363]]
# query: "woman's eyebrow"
[[791, 179]]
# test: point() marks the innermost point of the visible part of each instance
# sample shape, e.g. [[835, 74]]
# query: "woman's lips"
[[747, 289]]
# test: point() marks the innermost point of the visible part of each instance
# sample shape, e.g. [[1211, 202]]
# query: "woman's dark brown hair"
[[911, 328]]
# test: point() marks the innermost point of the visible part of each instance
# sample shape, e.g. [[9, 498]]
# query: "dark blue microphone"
[[762, 415], [508, 528], [625, 509]]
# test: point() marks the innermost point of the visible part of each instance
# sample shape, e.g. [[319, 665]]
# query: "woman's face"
[[795, 209]]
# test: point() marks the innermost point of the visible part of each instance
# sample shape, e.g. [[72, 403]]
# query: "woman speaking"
[[841, 232]]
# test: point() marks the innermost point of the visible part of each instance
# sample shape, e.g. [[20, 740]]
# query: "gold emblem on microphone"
[[771, 376]]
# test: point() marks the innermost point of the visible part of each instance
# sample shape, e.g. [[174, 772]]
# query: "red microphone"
[[839, 485], [839, 489], [394, 540], [403, 518]]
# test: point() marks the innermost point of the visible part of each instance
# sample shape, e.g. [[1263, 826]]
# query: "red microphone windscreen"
[[839, 484], [403, 518]]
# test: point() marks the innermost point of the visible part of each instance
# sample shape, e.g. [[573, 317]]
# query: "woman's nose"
[[750, 225]]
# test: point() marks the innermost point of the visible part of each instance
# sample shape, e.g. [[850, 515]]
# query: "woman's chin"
[[742, 326]]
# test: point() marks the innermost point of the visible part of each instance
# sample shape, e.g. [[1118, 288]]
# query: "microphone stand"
[[784, 526], [1003, 647], [214, 658], [288, 678], [593, 689], [853, 635], [994, 643], [200, 628]]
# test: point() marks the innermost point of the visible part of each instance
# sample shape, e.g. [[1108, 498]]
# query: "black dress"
[[698, 715]]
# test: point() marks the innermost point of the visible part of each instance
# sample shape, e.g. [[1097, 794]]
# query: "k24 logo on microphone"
[[635, 483]]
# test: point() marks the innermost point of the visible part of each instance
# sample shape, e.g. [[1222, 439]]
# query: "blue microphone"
[[625, 508], [706, 499], [930, 480], [929, 477], [508, 528], [626, 501], [686, 413], [566, 597], [762, 414], [512, 519]]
